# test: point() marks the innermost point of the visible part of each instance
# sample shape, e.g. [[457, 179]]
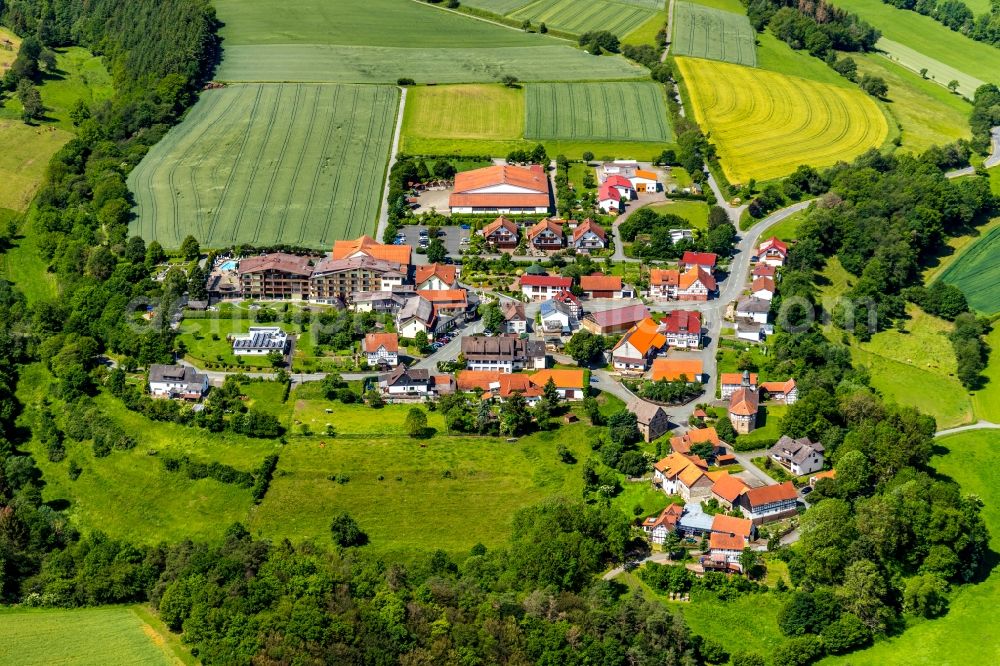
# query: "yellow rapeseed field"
[[765, 124]]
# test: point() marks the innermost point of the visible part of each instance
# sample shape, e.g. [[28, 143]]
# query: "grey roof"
[[754, 305], [748, 325], [403, 375], [329, 265], [644, 411], [175, 373], [419, 307], [627, 315], [795, 450], [550, 306], [197, 305], [694, 518], [501, 348], [261, 340]]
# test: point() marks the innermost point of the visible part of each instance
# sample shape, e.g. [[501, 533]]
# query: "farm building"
[[730, 381], [505, 189], [624, 168], [614, 321], [645, 181], [786, 392], [601, 286], [652, 419], [622, 185]]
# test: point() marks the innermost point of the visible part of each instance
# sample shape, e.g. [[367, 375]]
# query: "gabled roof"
[[329, 265], [764, 270], [399, 254], [566, 296], [608, 192], [530, 178], [664, 276], [501, 221], [671, 369], [682, 443], [675, 463], [642, 173], [513, 311], [778, 387], [546, 281], [543, 225], [591, 226], [643, 336], [553, 306], [564, 379], [644, 411], [730, 487], [667, 518], [762, 284], [682, 321], [744, 402], [697, 274], [373, 341], [443, 296], [706, 259], [768, 494], [470, 379], [443, 272], [795, 450], [403, 375], [276, 261], [630, 314], [691, 475], [617, 180], [773, 243], [723, 541], [599, 282], [753, 305], [737, 378], [417, 307]]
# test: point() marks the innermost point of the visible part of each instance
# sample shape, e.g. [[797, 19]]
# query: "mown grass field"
[[580, 16], [705, 32], [976, 272], [748, 623], [619, 111], [646, 33], [967, 633], [695, 212], [923, 35], [111, 635], [22, 263], [927, 113], [26, 152], [986, 401], [8, 55], [766, 124], [938, 72], [498, 7], [267, 164], [464, 112]]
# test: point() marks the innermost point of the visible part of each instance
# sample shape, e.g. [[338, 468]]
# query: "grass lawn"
[[923, 343], [976, 270], [266, 396], [266, 164], [694, 211], [198, 336], [112, 635], [967, 634], [776, 56], [8, 56], [788, 229], [483, 111], [746, 624], [445, 492], [576, 173], [26, 152], [642, 493], [928, 114], [572, 148], [354, 421], [768, 422], [23, 265], [986, 401]]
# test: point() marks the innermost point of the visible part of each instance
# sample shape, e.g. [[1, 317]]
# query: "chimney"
[[746, 378]]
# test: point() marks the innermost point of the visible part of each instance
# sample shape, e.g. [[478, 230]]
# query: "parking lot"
[[450, 236]]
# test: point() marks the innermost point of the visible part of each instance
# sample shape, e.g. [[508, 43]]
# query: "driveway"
[[451, 350], [744, 458]]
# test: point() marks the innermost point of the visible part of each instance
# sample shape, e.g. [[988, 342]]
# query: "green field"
[[938, 72], [378, 41], [646, 33], [747, 623], [580, 16], [695, 212], [766, 124], [704, 32], [26, 152], [463, 112], [967, 634], [107, 636], [267, 164], [986, 401], [498, 7], [8, 56], [927, 113], [976, 272], [788, 229], [926, 40], [597, 111]]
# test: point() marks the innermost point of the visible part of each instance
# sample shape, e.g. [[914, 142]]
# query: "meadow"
[[109, 635], [923, 35], [695, 212], [967, 633], [267, 164], [927, 113], [705, 32], [8, 55], [464, 112], [766, 124], [938, 72], [618, 111], [26, 152], [580, 16], [976, 272], [986, 401]]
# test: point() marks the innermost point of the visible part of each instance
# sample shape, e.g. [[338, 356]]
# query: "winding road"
[[992, 160]]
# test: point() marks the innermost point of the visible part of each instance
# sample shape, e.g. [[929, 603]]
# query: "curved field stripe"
[[250, 190], [212, 121], [345, 147], [307, 210], [766, 124]]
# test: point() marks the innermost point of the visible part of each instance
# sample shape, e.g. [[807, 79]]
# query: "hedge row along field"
[[621, 111], [766, 124], [977, 273], [580, 16], [704, 32], [262, 164]]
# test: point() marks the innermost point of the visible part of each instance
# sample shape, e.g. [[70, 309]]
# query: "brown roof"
[[768, 494], [729, 487], [697, 274], [513, 310], [470, 379], [721, 541], [499, 200], [737, 378], [764, 270], [672, 369], [375, 340], [399, 254], [762, 283], [446, 274], [599, 282], [743, 402], [663, 276], [542, 225], [628, 315], [589, 225], [530, 178], [778, 387], [682, 444], [276, 261], [501, 221]]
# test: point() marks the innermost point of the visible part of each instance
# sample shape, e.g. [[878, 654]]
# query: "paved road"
[[979, 425], [451, 350], [992, 160], [383, 217], [745, 458], [659, 558], [670, 32]]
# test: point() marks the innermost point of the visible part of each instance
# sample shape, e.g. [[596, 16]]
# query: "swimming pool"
[[228, 265]]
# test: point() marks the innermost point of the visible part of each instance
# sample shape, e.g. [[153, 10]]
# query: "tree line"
[[957, 16]]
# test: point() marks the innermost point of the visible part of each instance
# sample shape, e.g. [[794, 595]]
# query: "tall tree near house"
[[436, 251], [550, 393], [492, 317], [190, 249], [514, 417]]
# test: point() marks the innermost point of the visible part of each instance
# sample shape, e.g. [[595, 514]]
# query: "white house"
[[260, 341], [381, 349], [624, 168], [682, 328], [609, 199], [177, 381], [645, 181], [762, 288], [406, 383], [749, 330], [730, 381], [786, 392], [622, 185], [416, 315], [755, 309], [542, 287], [798, 456], [435, 277], [677, 235], [557, 317], [589, 236], [515, 321], [772, 252], [768, 503]]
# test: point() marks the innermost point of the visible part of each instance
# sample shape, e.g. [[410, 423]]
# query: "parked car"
[[423, 233], [464, 226]]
